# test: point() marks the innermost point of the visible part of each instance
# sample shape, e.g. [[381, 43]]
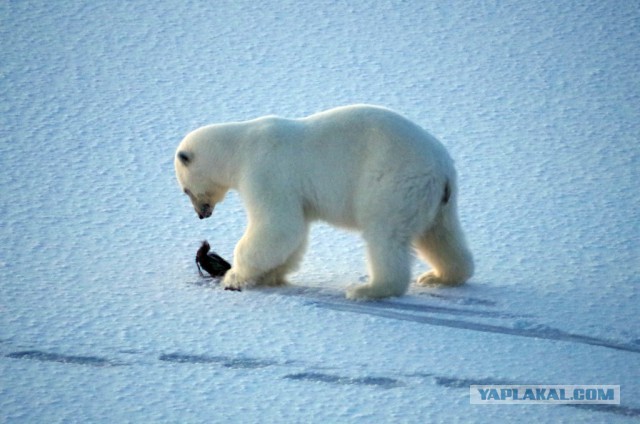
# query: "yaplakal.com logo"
[[544, 394]]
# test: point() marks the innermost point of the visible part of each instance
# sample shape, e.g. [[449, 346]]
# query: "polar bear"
[[359, 167]]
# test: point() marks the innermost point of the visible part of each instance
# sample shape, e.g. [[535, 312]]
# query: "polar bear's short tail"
[[444, 246]]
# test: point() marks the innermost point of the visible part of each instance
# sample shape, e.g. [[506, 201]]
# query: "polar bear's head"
[[192, 184], [196, 176]]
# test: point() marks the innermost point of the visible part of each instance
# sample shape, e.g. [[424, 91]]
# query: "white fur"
[[360, 167]]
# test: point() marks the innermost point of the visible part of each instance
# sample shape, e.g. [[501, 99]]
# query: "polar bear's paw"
[[272, 279], [233, 282], [431, 279]]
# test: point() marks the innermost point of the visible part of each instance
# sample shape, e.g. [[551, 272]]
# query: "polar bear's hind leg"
[[444, 247], [389, 268]]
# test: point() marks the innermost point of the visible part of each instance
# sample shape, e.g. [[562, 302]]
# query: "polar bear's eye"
[[187, 192], [184, 157]]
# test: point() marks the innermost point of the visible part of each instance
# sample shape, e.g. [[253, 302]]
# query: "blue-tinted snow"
[[103, 315]]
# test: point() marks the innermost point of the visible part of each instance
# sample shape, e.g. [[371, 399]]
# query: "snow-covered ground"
[[103, 317]]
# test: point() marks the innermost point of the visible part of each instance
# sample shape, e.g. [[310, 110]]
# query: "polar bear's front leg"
[[241, 275], [269, 249], [232, 281]]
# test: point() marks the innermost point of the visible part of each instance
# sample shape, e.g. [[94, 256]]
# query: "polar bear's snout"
[[204, 211], [203, 205]]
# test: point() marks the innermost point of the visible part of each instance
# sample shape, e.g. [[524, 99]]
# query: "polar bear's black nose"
[[204, 211]]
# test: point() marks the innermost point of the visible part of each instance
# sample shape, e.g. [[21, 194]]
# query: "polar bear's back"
[[353, 157], [383, 126], [377, 134]]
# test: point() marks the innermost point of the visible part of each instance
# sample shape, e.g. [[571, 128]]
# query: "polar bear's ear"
[[185, 157]]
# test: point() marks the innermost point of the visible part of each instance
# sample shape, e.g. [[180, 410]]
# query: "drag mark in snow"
[[462, 300], [318, 295], [38, 355], [446, 310], [539, 333]]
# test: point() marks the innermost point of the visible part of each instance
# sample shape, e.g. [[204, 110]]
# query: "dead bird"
[[211, 261]]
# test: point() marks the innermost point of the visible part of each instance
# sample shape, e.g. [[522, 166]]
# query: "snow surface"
[[103, 315]]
